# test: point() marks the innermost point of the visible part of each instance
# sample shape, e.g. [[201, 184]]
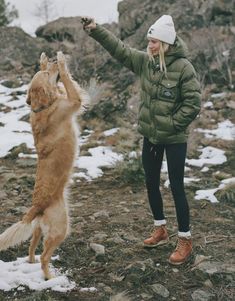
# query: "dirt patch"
[[116, 215]]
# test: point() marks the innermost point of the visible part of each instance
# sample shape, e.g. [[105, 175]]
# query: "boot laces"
[[156, 230], [181, 244]]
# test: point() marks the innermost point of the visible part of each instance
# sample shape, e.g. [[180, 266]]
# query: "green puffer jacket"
[[168, 103]]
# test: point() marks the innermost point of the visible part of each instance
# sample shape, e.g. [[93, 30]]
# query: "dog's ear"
[[43, 61], [38, 96]]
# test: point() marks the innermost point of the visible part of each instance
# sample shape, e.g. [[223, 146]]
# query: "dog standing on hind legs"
[[54, 107]]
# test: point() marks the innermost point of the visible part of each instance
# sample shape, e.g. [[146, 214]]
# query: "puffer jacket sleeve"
[[190, 99], [127, 56]]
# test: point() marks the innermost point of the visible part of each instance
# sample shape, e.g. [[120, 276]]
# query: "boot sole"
[[160, 243], [177, 263], [180, 262]]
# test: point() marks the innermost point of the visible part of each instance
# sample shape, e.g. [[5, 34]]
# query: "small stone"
[[208, 283], [107, 289], [100, 236], [3, 194], [116, 239], [160, 290], [214, 267], [200, 295], [102, 213], [146, 296], [95, 264], [200, 258], [99, 249]]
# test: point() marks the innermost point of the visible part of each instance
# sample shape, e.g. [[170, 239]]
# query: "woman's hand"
[[88, 23]]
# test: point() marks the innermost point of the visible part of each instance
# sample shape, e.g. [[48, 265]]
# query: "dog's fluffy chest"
[[56, 136]]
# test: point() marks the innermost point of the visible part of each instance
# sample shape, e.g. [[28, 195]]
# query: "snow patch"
[[20, 273]]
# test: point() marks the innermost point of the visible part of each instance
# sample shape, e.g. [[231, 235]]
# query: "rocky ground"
[[113, 211], [115, 214]]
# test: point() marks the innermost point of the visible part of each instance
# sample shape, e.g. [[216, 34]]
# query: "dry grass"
[[227, 194]]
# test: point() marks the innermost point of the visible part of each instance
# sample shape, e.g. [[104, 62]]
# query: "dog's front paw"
[[61, 58], [43, 56], [43, 61], [61, 61]]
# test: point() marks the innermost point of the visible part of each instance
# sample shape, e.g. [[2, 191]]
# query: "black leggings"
[[152, 157]]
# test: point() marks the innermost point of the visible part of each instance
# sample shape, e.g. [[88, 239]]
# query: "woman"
[[170, 101]]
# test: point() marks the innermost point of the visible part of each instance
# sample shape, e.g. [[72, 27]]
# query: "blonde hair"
[[163, 48]]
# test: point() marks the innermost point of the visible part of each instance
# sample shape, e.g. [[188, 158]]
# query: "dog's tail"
[[16, 234], [21, 231], [84, 98]]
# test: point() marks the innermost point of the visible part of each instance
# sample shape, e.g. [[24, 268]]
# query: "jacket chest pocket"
[[167, 90]]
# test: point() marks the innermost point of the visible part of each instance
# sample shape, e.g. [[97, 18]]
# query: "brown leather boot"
[[158, 237], [182, 251]]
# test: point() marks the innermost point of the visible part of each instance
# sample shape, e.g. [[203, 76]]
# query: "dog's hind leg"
[[34, 243], [50, 244], [54, 224]]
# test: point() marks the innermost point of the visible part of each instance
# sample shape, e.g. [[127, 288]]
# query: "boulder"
[[62, 29], [19, 52], [206, 26]]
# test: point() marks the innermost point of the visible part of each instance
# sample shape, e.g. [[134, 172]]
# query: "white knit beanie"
[[163, 30]]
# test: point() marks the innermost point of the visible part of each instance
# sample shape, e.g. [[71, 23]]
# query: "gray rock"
[[99, 237], [95, 264], [116, 239], [99, 249], [141, 265], [208, 283], [62, 29], [126, 210], [2, 195], [107, 289], [130, 237], [146, 296], [200, 295], [101, 213], [160, 290], [214, 267], [199, 259]]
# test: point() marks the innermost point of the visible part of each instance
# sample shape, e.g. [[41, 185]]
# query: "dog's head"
[[42, 89]]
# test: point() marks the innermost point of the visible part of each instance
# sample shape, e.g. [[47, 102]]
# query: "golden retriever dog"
[[54, 107]]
